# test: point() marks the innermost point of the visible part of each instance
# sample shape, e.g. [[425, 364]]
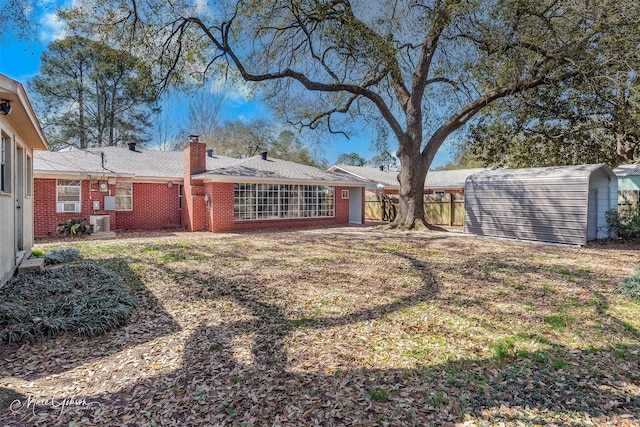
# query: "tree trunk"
[[413, 171]]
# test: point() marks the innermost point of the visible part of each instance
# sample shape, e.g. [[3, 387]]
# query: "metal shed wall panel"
[[543, 204]]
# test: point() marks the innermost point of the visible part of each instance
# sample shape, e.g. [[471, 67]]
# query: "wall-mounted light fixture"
[[5, 107], [169, 184]]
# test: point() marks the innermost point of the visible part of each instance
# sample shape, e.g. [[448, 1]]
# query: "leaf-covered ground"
[[348, 326]]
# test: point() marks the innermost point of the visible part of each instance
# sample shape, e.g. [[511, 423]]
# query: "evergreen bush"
[[631, 285], [60, 256], [79, 299]]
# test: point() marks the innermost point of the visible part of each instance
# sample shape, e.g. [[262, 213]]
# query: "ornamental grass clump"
[[80, 299], [630, 286], [61, 256]]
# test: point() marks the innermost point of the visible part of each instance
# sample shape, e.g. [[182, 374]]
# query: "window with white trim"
[[124, 196], [274, 201], [5, 164], [68, 195], [180, 190], [345, 194]]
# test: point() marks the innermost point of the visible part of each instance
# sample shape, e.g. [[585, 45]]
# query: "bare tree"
[[424, 67]]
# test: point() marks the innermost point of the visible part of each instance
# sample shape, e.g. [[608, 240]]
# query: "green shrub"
[[74, 226], [60, 256], [79, 299], [631, 285], [38, 253], [624, 223]]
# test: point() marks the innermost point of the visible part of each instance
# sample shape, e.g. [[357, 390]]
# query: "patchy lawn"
[[350, 326]]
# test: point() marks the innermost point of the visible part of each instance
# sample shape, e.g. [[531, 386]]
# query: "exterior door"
[[19, 194], [355, 206]]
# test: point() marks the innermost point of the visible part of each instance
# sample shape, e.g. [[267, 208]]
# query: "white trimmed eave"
[[280, 180], [336, 168], [39, 174], [22, 114]]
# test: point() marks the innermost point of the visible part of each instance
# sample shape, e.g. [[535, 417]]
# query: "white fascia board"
[[256, 180], [76, 174], [335, 167]]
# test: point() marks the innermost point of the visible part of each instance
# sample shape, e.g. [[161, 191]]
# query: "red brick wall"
[[155, 206], [220, 217]]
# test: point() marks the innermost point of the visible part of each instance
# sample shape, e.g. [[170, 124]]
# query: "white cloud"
[[233, 86], [52, 28], [201, 6]]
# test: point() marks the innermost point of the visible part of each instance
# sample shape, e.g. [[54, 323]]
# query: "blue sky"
[[20, 60]]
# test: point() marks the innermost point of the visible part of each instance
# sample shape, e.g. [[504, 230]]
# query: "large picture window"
[[273, 201], [68, 195], [124, 196]]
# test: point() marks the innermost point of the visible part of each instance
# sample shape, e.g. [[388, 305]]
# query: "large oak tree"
[[424, 67]]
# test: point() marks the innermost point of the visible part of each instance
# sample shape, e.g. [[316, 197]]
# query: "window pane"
[[124, 199], [271, 201]]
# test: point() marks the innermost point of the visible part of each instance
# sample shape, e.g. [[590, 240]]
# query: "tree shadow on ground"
[[149, 321], [242, 372]]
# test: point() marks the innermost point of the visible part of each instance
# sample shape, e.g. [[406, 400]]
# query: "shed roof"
[[435, 179], [540, 173], [272, 169]]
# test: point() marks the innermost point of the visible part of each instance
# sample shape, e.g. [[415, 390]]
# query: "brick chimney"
[[194, 211], [195, 156]]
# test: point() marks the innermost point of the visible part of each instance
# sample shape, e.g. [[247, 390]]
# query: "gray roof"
[[542, 173], [118, 161], [450, 178], [152, 164], [386, 177], [272, 169], [628, 170], [435, 179]]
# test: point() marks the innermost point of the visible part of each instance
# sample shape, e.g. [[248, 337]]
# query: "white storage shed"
[[563, 204]]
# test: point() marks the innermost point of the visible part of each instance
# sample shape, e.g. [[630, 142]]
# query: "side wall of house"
[[155, 206], [10, 199], [220, 216]]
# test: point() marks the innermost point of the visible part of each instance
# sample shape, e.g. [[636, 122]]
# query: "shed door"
[[355, 206], [592, 215]]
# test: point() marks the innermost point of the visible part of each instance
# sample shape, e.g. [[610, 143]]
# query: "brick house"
[[131, 189], [20, 136]]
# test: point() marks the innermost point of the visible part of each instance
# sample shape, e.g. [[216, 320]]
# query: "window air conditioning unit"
[[100, 223], [68, 207]]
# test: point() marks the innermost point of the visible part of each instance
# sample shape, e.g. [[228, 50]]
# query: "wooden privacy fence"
[[440, 209]]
